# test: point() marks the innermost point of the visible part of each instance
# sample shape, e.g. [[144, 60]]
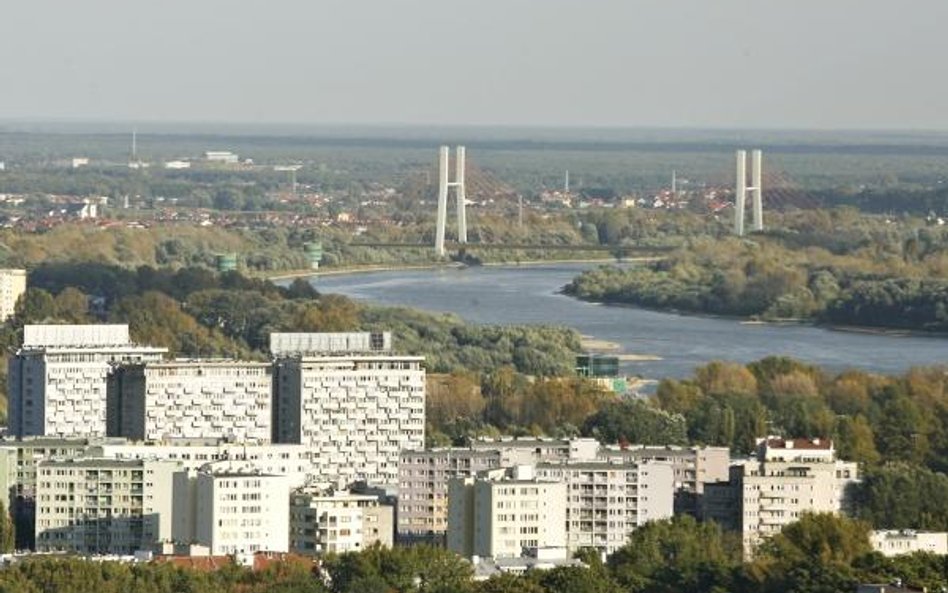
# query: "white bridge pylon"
[[741, 190], [443, 184]]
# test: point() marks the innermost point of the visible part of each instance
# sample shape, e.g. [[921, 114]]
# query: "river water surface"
[[529, 294]]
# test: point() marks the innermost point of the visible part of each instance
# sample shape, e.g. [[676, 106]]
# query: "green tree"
[[676, 555], [635, 421]]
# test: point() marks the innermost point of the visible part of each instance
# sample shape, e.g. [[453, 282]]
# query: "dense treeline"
[[819, 553], [833, 267], [893, 200], [872, 418], [465, 404]]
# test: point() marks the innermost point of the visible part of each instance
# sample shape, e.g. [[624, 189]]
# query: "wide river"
[[530, 294]]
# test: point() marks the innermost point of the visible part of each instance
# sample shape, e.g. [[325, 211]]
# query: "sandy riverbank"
[[291, 274], [591, 344]]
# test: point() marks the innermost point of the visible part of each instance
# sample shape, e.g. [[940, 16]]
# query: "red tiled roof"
[[202, 563]]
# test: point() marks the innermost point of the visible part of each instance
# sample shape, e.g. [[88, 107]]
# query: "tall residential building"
[[329, 520], [102, 506], [349, 399], [57, 382], [501, 513], [423, 478], [232, 508], [157, 401], [607, 500], [12, 287], [788, 477]]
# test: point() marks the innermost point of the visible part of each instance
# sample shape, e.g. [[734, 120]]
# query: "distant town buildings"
[[221, 156], [12, 287]]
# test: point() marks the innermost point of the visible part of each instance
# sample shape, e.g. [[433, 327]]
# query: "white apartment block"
[[57, 382], [502, 513], [102, 506], [355, 410], [12, 287], [895, 542], [292, 461], [693, 466], [336, 521], [787, 478], [606, 501], [231, 508], [423, 478], [157, 401], [532, 450]]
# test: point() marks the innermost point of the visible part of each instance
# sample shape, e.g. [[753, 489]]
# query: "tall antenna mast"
[[134, 144], [674, 183]]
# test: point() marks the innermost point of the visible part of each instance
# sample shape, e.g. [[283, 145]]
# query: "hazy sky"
[[702, 63]]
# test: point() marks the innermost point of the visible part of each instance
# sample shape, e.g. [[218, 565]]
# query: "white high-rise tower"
[[443, 185], [741, 189]]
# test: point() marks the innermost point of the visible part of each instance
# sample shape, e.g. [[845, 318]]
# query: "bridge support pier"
[[443, 185], [741, 190]]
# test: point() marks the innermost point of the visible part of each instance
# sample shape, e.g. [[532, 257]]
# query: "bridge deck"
[[517, 246]]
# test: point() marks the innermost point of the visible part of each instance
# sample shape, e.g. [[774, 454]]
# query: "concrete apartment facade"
[[895, 542], [232, 508], [102, 506], [292, 461], [788, 477], [503, 512], [336, 521], [19, 462], [424, 475], [12, 287], [423, 478], [532, 450], [57, 382], [607, 500], [356, 409], [157, 401], [693, 468]]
